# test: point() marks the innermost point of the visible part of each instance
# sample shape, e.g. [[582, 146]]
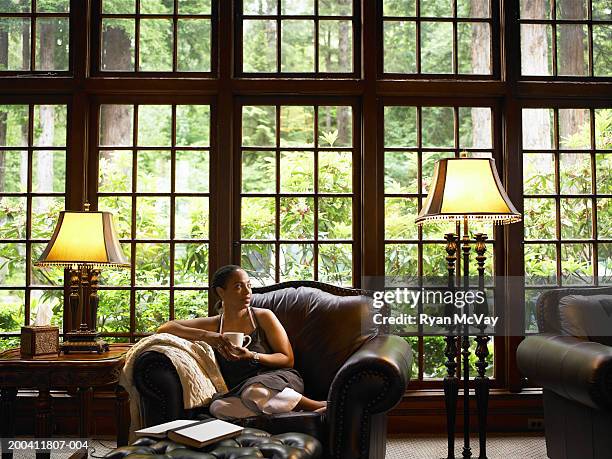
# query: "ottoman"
[[251, 443]]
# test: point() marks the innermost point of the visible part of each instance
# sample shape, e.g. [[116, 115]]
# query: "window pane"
[[401, 260], [473, 9], [399, 218], [577, 266], [194, 43], [152, 264], [604, 217], [115, 171], [604, 173], [436, 47], [114, 311], [537, 128], [118, 44], [437, 127], [474, 48], [401, 172], [296, 262], [576, 9], [50, 125], [192, 218], [297, 126], [192, 171], [602, 58], [51, 44], [14, 171], [335, 7], [258, 172], [118, 277], [601, 10], [152, 218], [603, 129], [540, 264], [194, 6], [13, 262], [536, 56], [575, 173], [259, 46], [190, 304], [121, 208], [572, 49], [155, 45], [154, 125], [604, 263], [335, 172], [335, 126], [335, 264], [297, 46], [18, 33], [434, 263], [258, 261], [535, 9], [259, 125], [44, 215], [400, 126], [399, 46], [428, 165], [11, 310], [574, 128], [576, 217], [190, 264], [152, 309], [153, 172], [297, 6], [14, 119], [192, 125], [15, 6], [539, 215], [52, 298], [156, 6], [475, 127], [436, 8], [335, 46], [297, 172], [335, 218], [257, 218], [42, 276], [116, 125], [399, 7], [259, 6], [48, 171], [538, 173], [118, 6], [296, 218]]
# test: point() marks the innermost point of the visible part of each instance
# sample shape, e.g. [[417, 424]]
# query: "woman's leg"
[[308, 404], [230, 407]]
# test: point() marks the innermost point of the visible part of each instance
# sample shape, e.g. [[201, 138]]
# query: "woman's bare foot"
[[308, 404], [322, 409]]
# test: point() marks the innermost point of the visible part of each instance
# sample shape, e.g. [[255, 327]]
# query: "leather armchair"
[[572, 360], [338, 352]]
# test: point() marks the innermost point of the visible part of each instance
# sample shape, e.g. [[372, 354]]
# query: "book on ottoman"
[[161, 430], [204, 433]]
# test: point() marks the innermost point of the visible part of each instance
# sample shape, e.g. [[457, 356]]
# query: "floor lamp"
[[83, 242], [465, 189]]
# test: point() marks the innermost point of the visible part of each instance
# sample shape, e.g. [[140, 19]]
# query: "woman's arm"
[[282, 356], [201, 329]]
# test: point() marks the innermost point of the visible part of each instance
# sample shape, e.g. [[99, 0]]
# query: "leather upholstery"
[[573, 364], [250, 443], [362, 375]]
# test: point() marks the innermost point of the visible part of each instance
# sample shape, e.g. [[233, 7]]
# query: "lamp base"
[[84, 341]]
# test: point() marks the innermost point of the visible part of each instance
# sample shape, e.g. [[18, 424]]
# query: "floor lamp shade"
[[84, 239], [467, 188]]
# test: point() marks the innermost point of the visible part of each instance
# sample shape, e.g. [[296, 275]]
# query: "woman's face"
[[237, 291]]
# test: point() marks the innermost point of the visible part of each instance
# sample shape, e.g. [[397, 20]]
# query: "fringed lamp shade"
[[84, 240], [467, 188]]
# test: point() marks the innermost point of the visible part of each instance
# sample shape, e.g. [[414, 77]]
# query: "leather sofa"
[[362, 374], [572, 360]]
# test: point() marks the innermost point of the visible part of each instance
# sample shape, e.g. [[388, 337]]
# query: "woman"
[[260, 378]]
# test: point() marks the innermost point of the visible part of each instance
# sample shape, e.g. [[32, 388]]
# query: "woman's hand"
[[242, 353], [223, 346]]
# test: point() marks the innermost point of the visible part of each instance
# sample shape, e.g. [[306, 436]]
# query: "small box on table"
[[42, 340]]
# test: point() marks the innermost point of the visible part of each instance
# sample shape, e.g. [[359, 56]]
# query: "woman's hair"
[[222, 275]]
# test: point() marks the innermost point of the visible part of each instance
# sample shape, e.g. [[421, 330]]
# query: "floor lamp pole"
[[465, 345]]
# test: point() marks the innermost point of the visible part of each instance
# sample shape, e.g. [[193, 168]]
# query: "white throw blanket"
[[195, 364]]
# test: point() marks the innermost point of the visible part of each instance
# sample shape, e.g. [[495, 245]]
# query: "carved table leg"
[[42, 424], [123, 416], [7, 417]]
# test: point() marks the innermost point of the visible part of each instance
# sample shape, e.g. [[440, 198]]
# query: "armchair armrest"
[[576, 369], [372, 380]]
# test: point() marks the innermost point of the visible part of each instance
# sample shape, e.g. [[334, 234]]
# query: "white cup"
[[237, 338]]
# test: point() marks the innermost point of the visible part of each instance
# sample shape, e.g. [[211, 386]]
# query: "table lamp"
[[467, 189], [83, 242]]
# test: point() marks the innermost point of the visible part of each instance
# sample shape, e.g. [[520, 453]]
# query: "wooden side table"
[[80, 372]]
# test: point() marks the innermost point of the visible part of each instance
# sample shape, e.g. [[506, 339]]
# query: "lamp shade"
[[84, 239], [467, 188]]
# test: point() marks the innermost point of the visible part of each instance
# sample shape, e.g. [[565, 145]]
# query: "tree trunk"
[[44, 163], [25, 49], [536, 124], [3, 120], [116, 128], [481, 64]]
